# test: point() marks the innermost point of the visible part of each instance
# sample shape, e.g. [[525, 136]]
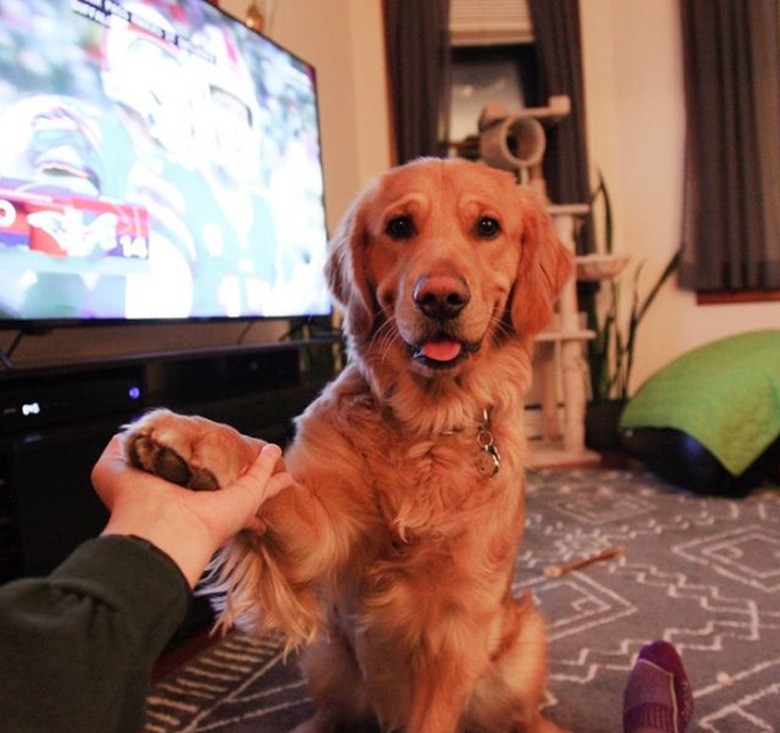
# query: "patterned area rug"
[[702, 573]]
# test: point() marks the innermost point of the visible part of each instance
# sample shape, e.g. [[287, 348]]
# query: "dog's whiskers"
[[384, 337], [499, 327]]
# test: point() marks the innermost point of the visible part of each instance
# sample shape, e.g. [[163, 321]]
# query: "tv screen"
[[158, 160]]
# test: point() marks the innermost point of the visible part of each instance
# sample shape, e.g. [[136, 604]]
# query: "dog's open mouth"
[[442, 352]]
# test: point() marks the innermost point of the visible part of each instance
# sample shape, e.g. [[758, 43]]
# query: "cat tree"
[[516, 142]]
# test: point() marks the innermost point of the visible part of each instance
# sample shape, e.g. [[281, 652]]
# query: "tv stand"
[[5, 356], [55, 421], [25, 329]]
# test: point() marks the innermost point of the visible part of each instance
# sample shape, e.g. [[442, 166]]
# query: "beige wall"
[[636, 131]]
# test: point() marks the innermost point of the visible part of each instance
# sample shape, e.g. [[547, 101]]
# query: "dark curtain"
[[731, 237], [418, 59], [556, 25]]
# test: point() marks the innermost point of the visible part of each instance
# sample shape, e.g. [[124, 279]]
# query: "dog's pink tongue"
[[441, 350]]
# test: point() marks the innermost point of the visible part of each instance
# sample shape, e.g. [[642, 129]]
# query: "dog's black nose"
[[441, 296]]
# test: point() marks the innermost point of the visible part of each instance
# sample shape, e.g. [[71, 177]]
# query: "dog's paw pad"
[[203, 480], [168, 464], [149, 455]]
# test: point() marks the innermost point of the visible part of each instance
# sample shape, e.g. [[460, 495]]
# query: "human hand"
[[189, 526]]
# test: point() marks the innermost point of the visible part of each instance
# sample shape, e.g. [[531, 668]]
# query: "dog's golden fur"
[[393, 555]]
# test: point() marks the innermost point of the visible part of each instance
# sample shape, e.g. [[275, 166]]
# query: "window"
[[492, 60], [488, 74]]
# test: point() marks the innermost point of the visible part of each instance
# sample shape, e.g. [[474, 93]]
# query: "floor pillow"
[[710, 420]]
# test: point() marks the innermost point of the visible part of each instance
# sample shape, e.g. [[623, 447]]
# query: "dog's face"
[[440, 259]]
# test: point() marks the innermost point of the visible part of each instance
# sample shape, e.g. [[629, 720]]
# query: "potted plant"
[[611, 352]]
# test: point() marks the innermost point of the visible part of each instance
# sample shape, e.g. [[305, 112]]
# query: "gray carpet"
[[702, 573]]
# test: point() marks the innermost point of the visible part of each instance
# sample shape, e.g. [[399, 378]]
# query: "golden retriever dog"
[[392, 557]]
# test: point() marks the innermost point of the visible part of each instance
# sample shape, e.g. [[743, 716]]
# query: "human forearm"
[[76, 648]]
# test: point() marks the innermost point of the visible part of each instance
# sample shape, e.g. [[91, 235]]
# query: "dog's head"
[[438, 259]]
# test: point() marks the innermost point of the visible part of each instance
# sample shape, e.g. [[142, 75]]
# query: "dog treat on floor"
[[556, 571], [658, 695]]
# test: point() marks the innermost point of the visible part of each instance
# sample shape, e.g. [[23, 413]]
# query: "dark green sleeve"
[[76, 648]]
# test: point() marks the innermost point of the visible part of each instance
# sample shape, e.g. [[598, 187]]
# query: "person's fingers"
[[278, 483], [256, 476], [279, 478], [280, 465], [266, 470], [257, 443], [266, 461], [257, 484]]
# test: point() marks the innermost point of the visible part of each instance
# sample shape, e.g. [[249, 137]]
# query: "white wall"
[[636, 132]]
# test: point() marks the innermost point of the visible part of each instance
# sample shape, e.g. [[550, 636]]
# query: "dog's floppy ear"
[[545, 265], [345, 269]]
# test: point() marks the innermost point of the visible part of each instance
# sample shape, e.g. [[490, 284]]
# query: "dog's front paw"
[[189, 451]]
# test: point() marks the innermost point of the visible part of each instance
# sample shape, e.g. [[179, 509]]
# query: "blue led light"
[[134, 393]]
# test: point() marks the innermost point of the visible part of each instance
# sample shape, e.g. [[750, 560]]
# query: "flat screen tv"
[[158, 160]]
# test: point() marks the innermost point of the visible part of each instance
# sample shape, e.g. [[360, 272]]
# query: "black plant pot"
[[602, 419]]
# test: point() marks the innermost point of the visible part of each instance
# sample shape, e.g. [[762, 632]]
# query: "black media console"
[[54, 422]]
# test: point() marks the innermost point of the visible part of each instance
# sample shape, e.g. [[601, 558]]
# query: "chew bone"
[[556, 571]]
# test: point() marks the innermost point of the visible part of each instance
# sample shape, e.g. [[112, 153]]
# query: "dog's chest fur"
[[432, 488], [429, 487]]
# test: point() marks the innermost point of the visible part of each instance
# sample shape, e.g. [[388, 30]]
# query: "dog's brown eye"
[[401, 227], [487, 228]]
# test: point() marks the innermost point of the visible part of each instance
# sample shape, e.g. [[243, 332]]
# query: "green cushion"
[[725, 394]]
